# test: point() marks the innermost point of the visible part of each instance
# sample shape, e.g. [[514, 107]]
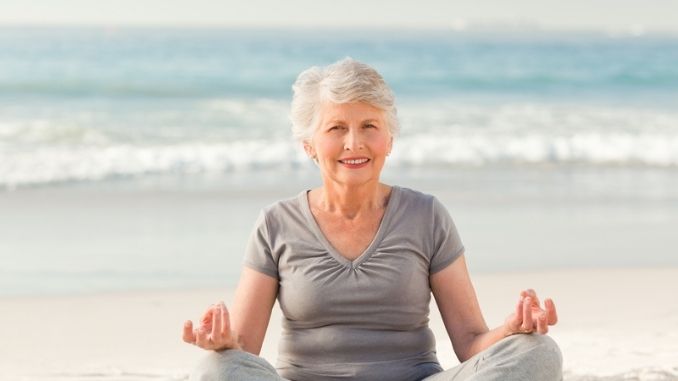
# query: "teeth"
[[360, 161]]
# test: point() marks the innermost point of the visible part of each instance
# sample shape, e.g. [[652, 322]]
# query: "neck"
[[351, 201]]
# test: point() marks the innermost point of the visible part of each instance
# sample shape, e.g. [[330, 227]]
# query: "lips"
[[354, 161]]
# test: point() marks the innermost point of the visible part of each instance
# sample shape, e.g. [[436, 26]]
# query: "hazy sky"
[[619, 15]]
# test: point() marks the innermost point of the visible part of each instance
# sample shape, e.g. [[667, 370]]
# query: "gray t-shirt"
[[365, 319]]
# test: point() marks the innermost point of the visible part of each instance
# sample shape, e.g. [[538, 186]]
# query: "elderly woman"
[[353, 264]]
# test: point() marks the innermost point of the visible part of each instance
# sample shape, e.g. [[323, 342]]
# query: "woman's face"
[[350, 143]]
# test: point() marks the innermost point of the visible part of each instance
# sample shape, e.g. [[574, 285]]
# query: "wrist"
[[237, 341], [507, 331], [228, 347], [234, 343]]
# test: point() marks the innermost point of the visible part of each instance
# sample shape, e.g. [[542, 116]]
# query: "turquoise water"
[[93, 104], [155, 63]]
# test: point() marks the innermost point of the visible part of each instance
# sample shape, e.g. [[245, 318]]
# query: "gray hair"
[[344, 81]]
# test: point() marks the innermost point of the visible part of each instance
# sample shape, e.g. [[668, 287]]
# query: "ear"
[[310, 151]]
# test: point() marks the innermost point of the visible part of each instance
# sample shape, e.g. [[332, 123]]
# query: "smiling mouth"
[[354, 161]]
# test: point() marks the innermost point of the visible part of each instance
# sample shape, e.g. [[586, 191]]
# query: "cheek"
[[327, 147], [380, 145]]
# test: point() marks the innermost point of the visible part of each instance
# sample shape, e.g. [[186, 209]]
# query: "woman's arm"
[[252, 306], [245, 327], [464, 322], [459, 308]]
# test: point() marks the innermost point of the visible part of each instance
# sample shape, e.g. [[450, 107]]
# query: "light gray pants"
[[515, 358]]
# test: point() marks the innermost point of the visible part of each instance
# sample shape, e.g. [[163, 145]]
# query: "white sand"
[[612, 322]]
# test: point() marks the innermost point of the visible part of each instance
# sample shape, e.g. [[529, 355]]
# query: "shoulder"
[[413, 198], [421, 207], [414, 207], [285, 212], [411, 194]]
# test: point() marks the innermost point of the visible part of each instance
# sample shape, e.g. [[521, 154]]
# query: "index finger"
[[551, 308], [532, 294], [207, 316], [216, 324]]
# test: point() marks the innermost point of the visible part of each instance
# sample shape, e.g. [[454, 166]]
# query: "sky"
[[610, 15]]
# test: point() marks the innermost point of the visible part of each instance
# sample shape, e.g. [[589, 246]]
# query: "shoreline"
[[137, 335]]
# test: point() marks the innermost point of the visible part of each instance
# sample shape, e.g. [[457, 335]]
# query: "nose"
[[352, 141]]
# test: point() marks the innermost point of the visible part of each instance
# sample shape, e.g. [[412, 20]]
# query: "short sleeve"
[[258, 255], [447, 244]]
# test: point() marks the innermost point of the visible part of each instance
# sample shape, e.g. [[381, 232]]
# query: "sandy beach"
[[614, 325]]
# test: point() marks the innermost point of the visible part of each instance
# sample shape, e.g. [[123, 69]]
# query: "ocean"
[[137, 158]]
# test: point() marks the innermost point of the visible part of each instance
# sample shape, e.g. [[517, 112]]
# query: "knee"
[[540, 353], [216, 366], [210, 367], [232, 364]]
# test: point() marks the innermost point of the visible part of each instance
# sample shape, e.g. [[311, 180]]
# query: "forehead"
[[333, 112]]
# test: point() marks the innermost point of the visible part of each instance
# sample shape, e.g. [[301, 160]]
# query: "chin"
[[357, 180]]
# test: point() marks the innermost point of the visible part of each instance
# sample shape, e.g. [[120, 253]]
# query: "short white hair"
[[344, 81]]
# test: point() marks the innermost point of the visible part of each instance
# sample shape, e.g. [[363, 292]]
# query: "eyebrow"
[[342, 121]]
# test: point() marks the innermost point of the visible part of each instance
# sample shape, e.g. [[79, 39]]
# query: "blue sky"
[[610, 15]]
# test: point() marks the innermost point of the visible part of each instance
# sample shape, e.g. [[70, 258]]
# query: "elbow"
[[469, 345], [462, 356]]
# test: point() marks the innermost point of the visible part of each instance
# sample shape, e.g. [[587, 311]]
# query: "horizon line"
[[630, 31]]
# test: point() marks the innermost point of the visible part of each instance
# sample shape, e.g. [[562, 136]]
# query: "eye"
[[334, 128], [370, 125]]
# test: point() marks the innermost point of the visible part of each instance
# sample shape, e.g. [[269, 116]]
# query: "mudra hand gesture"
[[529, 317], [214, 332]]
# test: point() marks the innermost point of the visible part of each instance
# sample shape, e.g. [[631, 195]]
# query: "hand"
[[529, 317], [214, 332]]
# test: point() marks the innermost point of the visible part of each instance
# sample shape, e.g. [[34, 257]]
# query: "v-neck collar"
[[367, 253]]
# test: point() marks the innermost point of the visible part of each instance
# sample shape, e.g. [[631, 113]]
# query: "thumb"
[[188, 334], [514, 320]]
